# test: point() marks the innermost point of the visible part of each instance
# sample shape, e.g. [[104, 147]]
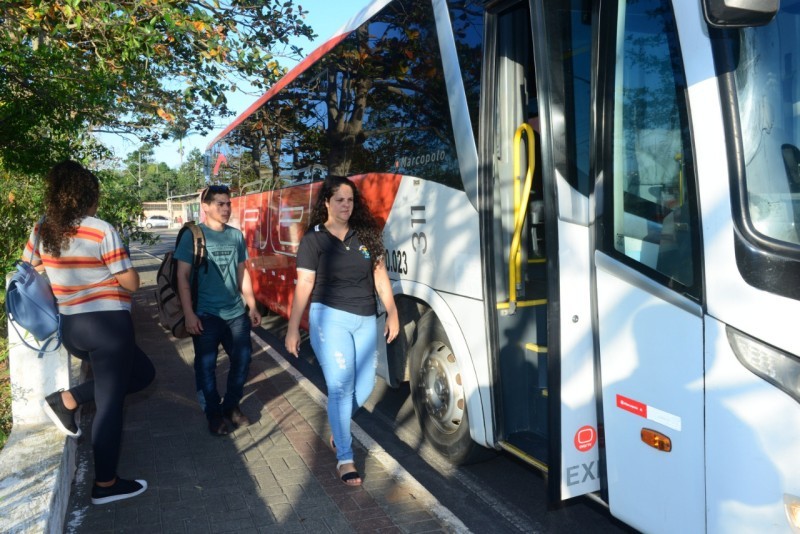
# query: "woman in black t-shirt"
[[339, 269]]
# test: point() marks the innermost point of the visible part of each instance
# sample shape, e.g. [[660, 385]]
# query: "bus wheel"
[[438, 394]]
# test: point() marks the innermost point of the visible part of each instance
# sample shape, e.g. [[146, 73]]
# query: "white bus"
[[592, 226]]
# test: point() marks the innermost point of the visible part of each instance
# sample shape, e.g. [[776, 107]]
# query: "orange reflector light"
[[792, 506], [656, 439]]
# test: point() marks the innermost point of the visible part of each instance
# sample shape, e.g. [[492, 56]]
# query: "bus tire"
[[438, 396]]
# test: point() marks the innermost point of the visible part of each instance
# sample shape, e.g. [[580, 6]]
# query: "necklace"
[[347, 245]]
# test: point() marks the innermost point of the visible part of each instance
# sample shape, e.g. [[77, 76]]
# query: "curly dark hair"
[[361, 221], [71, 191]]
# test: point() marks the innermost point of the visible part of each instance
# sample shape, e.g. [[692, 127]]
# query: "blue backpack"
[[30, 303]]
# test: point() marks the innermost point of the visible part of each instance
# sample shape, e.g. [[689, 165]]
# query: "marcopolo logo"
[[421, 159]]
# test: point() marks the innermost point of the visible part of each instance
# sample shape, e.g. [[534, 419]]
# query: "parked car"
[[156, 221]]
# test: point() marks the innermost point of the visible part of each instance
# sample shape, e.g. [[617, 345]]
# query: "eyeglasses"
[[214, 190]]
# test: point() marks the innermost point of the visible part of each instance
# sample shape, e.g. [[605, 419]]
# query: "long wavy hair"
[[71, 192], [361, 221]]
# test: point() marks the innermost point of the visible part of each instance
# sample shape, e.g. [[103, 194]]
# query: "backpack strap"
[[38, 228], [199, 254], [42, 349]]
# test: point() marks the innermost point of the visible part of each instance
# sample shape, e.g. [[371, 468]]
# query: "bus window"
[[652, 203], [767, 84]]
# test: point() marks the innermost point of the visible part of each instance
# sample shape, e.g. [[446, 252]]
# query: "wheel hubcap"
[[440, 387]]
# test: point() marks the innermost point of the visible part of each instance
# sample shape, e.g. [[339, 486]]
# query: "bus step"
[[528, 455]]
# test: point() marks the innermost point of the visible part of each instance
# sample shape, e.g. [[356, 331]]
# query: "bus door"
[[539, 106], [649, 314], [515, 239]]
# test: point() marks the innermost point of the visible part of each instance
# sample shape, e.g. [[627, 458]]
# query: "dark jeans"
[[234, 336], [119, 367]]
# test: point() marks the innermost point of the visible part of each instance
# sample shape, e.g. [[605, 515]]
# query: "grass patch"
[[5, 393], [5, 375]]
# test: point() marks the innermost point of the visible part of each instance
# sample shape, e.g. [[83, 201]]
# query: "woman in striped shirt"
[[92, 278]]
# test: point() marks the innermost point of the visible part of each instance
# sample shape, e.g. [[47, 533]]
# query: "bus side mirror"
[[740, 13]]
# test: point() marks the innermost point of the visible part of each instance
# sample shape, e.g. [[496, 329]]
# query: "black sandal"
[[347, 477]]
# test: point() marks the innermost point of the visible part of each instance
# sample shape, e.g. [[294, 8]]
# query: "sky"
[[324, 16]]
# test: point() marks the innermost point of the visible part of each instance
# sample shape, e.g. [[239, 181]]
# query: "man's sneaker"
[[236, 417], [63, 418], [121, 489], [217, 426]]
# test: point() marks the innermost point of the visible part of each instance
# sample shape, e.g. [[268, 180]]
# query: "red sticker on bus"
[[585, 438], [632, 406]]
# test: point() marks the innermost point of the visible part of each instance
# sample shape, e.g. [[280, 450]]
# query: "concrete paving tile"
[[252, 454], [235, 502], [363, 499], [262, 516], [179, 511], [284, 513], [361, 514], [124, 516], [345, 503], [311, 510], [267, 482], [103, 523], [229, 515], [378, 486], [283, 528], [293, 478], [405, 507], [337, 524], [413, 517], [275, 500], [423, 526], [396, 493], [295, 462], [173, 526], [372, 524], [148, 515], [198, 525]]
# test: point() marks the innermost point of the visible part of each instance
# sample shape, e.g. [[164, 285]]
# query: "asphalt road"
[[501, 494]]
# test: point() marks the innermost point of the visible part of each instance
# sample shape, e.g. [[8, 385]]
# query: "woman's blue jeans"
[[345, 345], [234, 336]]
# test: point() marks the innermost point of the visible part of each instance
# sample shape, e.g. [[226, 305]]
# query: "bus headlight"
[[777, 367], [792, 506]]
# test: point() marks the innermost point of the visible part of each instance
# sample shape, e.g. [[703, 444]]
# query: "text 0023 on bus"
[[592, 224]]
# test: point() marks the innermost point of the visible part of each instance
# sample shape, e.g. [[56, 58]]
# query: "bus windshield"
[[768, 91]]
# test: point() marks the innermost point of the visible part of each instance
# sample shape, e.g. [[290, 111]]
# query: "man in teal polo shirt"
[[220, 316]]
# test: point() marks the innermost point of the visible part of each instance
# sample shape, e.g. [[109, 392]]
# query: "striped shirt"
[[83, 276]]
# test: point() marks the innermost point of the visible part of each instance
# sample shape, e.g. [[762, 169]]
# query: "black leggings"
[[119, 367]]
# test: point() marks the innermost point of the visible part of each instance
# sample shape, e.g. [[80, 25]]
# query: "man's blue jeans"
[[345, 346], [234, 336]]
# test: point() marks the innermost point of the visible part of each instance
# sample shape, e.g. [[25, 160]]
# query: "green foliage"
[[156, 69], [120, 206], [5, 393], [20, 208]]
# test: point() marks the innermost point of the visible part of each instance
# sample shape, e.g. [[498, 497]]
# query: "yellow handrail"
[[520, 208]]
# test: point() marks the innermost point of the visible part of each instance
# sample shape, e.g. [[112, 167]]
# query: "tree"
[[372, 103], [155, 69], [191, 175]]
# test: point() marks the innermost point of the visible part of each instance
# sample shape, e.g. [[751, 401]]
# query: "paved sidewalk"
[[277, 475]]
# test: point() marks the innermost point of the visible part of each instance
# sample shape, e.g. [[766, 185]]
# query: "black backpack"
[[170, 312]]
